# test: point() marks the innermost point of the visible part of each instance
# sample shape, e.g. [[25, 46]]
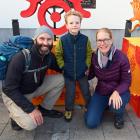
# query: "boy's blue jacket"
[[73, 54]]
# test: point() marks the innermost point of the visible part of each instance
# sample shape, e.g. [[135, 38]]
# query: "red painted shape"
[[43, 9], [137, 53], [55, 17], [125, 45], [32, 8], [135, 103]]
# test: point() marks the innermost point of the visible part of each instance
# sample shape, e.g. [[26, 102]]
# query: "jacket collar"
[[74, 37]]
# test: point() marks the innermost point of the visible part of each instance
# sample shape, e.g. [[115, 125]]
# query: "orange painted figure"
[[136, 10], [131, 47]]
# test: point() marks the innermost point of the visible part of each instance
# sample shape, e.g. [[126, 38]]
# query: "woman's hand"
[[115, 100]]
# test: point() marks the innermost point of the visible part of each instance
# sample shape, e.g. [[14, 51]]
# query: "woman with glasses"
[[111, 67]]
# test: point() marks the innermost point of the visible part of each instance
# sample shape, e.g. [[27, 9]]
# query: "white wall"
[[108, 13], [117, 33]]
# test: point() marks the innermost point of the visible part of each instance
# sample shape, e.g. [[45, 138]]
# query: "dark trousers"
[[70, 91], [98, 104]]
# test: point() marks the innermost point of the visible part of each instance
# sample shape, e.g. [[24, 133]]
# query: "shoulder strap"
[[38, 69], [27, 56]]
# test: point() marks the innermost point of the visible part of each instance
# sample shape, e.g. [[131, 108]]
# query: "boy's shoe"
[[119, 122], [68, 116], [15, 126], [50, 113]]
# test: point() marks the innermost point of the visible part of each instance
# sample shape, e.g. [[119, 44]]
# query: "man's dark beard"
[[40, 45]]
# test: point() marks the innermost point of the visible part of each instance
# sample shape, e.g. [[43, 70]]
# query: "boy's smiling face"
[[73, 24]]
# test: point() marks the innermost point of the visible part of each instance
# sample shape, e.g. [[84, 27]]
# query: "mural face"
[[51, 6]]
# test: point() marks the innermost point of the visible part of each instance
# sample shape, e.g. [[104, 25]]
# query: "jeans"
[[70, 91], [98, 104]]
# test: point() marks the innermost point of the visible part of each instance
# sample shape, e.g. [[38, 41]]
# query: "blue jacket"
[[73, 54]]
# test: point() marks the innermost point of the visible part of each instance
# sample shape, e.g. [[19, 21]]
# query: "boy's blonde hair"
[[73, 12]]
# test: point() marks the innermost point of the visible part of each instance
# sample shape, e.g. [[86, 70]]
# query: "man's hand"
[[115, 100], [36, 116]]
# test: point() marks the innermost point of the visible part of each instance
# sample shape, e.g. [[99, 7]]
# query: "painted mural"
[[50, 7]]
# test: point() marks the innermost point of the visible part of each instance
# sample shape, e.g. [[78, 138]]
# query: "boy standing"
[[73, 54]]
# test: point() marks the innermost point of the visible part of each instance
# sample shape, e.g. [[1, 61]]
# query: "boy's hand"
[[87, 72]]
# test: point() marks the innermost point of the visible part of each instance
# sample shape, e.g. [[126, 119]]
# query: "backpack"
[[9, 49]]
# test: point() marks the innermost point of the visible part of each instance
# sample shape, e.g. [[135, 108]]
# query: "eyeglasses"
[[106, 40]]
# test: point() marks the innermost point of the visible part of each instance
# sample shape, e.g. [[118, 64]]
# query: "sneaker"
[[119, 122], [68, 116], [15, 126], [50, 113]]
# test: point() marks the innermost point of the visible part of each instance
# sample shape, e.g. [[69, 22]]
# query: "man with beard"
[[21, 86]]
